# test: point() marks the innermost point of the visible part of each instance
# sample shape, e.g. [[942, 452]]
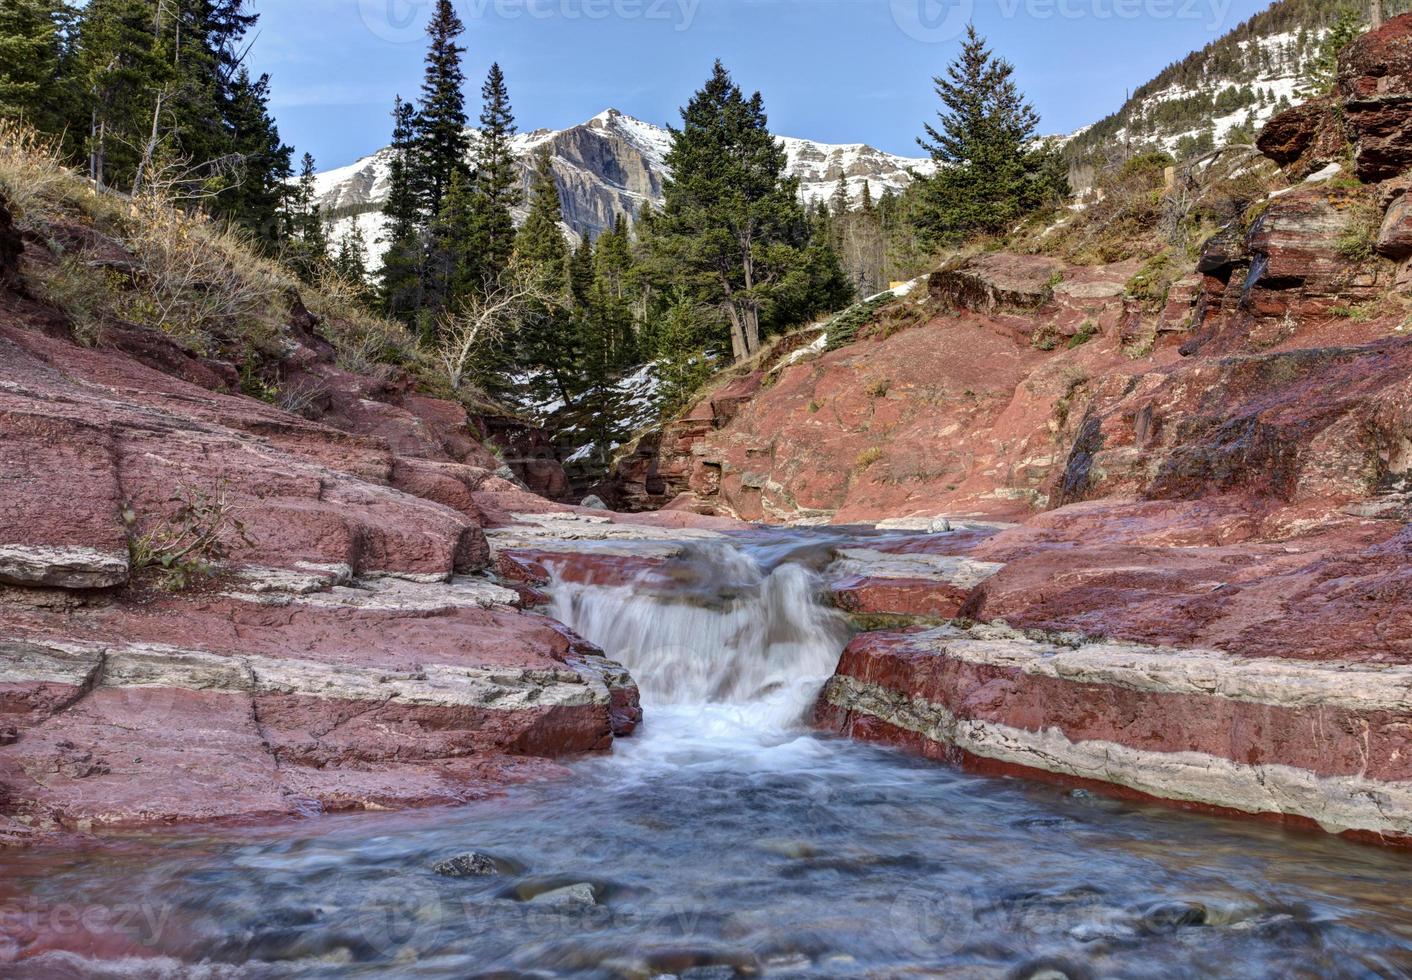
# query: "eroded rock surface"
[[1187, 725], [346, 653]]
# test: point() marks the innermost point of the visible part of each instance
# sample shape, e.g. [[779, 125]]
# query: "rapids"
[[726, 839]]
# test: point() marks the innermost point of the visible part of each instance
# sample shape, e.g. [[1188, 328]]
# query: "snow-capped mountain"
[[609, 166]]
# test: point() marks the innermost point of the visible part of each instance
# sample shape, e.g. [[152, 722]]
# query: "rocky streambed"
[[732, 834]]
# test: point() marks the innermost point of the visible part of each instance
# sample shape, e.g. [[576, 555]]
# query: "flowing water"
[[727, 840]]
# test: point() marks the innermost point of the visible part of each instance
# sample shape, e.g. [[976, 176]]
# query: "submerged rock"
[[570, 896], [1166, 917], [472, 864]]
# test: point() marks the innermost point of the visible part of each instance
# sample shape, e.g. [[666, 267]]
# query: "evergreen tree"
[[987, 174], [613, 257], [403, 204], [612, 262], [264, 161], [119, 65], [351, 261], [497, 182], [401, 274], [601, 324], [731, 221], [1322, 70], [547, 340], [33, 49], [441, 140], [683, 362], [582, 273], [455, 265], [307, 239]]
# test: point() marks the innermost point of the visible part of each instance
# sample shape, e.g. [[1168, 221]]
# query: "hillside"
[[610, 166], [1235, 83]]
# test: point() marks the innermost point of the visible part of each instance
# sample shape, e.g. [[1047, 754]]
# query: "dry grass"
[[39, 186], [202, 284], [868, 457], [1132, 210]]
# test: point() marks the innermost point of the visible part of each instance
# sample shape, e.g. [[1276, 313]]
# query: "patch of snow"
[[1327, 173]]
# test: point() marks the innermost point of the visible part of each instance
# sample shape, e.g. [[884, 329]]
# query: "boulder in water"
[[1166, 917], [472, 864], [570, 896], [593, 502]]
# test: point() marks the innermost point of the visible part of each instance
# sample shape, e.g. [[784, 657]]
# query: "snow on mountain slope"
[[1221, 93], [609, 166]]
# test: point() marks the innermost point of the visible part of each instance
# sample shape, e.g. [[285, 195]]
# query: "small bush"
[[843, 329], [1360, 234], [187, 546], [1086, 333], [85, 294], [879, 387], [1153, 281], [868, 457], [1358, 314]]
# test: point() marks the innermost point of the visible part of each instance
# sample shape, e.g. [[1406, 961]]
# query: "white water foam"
[[729, 663]]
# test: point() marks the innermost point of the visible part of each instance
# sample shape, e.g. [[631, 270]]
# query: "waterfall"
[[715, 628]]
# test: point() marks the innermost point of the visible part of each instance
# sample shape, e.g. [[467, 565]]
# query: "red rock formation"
[[1305, 138], [342, 659], [1374, 85], [1212, 496]]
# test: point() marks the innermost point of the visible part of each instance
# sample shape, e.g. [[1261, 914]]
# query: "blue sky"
[[834, 70]]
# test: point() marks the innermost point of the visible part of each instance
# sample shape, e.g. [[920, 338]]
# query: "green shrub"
[[1086, 333], [186, 546]]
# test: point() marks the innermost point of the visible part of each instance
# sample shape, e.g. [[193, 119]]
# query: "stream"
[[726, 839]]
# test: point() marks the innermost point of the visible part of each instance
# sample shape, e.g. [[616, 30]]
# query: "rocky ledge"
[[335, 643], [1311, 744]]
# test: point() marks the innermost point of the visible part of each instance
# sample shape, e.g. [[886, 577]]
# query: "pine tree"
[[547, 341], [441, 140], [731, 220], [683, 363], [351, 264], [581, 273], [497, 181], [400, 280], [119, 65], [612, 261], [264, 162], [1322, 70], [351, 260], [307, 238], [404, 197], [33, 45], [601, 325], [455, 262], [613, 256], [986, 171]]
